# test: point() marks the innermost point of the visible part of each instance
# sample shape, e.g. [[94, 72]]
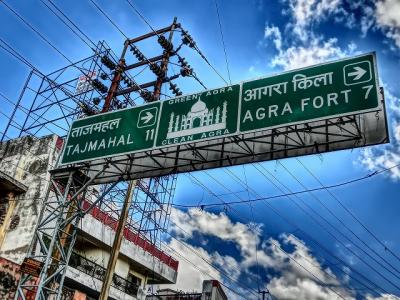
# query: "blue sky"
[[331, 252]]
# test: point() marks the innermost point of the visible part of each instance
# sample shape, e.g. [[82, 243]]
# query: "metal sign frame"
[[303, 139]]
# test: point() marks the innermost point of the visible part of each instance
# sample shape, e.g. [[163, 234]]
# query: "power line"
[[18, 56], [26, 111], [386, 248], [210, 263], [317, 242], [108, 18], [276, 245], [348, 228], [35, 30], [326, 229], [329, 275], [223, 42], [269, 205], [10, 50], [195, 47], [202, 271], [65, 24], [367, 176], [141, 15], [75, 29], [49, 43]]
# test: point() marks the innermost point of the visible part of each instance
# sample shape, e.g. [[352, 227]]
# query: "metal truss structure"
[[48, 106]]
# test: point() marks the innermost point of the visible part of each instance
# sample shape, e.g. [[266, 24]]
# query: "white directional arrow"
[[147, 117], [358, 73]]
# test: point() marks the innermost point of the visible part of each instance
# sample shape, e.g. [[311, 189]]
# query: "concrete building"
[[212, 290], [24, 178]]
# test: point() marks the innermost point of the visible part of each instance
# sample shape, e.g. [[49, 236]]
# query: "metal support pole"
[[105, 289], [117, 78], [164, 64]]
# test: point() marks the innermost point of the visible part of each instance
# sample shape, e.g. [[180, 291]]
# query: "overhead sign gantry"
[[310, 110], [333, 89]]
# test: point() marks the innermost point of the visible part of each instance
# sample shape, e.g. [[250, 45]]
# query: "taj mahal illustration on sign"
[[198, 120]]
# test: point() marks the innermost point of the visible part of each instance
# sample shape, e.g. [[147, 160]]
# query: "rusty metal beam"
[[119, 234], [145, 62], [150, 34]]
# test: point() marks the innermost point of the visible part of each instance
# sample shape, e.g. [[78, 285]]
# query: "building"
[[24, 178], [212, 290]]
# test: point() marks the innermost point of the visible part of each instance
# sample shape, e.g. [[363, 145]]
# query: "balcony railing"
[[94, 270]]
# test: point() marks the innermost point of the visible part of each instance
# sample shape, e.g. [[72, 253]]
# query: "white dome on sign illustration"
[[199, 106]]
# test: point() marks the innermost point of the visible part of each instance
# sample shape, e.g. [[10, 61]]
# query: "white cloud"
[[383, 297], [316, 51], [274, 33], [367, 19], [310, 48], [291, 281], [384, 157], [387, 156], [387, 15], [308, 12], [313, 48], [216, 225], [190, 277], [301, 279], [309, 282]]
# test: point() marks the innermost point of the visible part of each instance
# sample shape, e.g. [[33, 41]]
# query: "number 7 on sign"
[[368, 90]]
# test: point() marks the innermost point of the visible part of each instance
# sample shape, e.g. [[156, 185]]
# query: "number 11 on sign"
[[149, 134]]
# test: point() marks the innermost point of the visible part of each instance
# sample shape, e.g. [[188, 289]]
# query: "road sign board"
[[313, 93], [200, 116], [328, 90], [113, 133]]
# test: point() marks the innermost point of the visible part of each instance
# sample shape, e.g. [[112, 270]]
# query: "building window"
[[4, 204]]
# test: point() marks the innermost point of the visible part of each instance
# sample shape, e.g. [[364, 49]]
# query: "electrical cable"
[[278, 246], [196, 47], [269, 205], [223, 42], [92, 47], [369, 175], [36, 31], [202, 271], [26, 112], [386, 248], [322, 226], [108, 18], [325, 249], [141, 16], [349, 229]]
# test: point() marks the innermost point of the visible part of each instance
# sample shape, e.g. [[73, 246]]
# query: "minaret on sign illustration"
[[198, 120]]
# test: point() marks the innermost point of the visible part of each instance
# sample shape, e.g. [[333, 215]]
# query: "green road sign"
[[200, 116], [327, 90], [313, 93], [114, 133]]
